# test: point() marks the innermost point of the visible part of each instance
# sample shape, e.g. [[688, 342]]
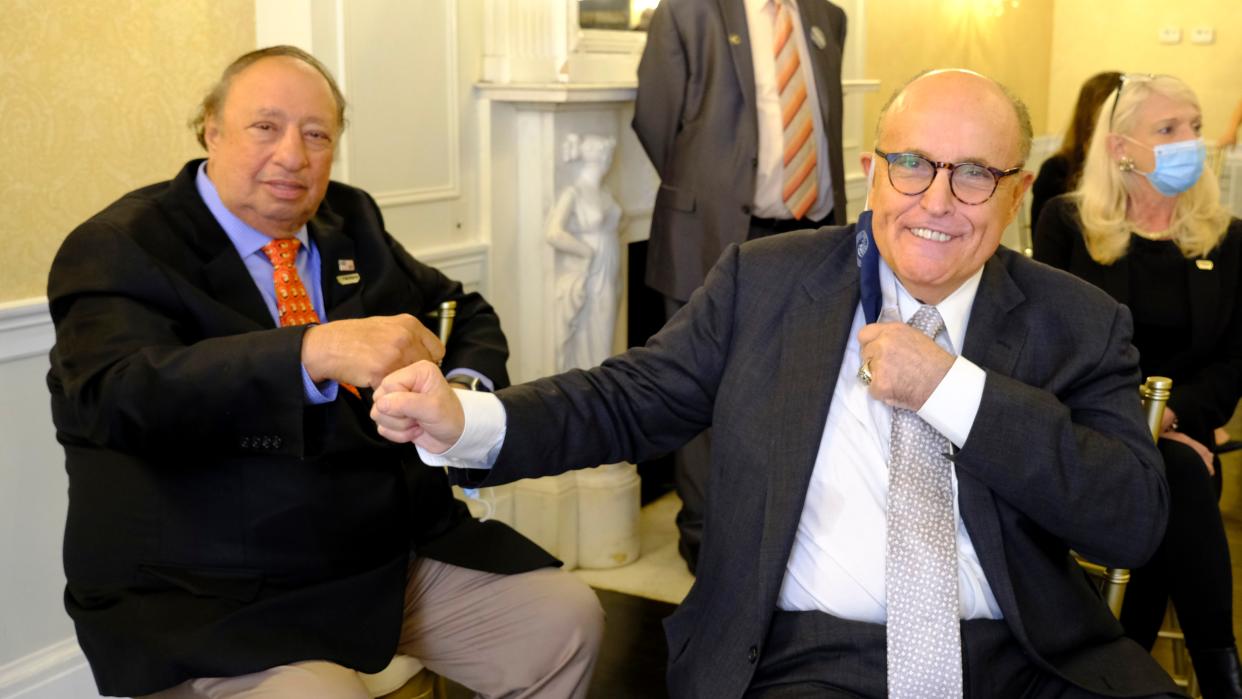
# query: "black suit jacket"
[[1207, 373], [695, 116], [219, 525], [1059, 456]]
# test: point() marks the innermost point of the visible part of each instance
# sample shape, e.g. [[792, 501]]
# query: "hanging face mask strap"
[[868, 256], [870, 182]]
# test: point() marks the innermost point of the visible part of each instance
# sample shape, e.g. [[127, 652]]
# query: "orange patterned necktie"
[[800, 187], [293, 304]]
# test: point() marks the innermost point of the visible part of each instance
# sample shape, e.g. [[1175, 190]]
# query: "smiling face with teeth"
[[932, 241]]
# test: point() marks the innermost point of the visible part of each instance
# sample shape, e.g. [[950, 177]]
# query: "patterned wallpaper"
[[94, 99]]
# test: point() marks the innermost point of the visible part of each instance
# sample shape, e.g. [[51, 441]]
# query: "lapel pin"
[[735, 39], [817, 36], [1205, 265], [346, 279], [345, 265]]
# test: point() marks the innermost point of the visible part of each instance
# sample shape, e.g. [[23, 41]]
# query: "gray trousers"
[[534, 634]]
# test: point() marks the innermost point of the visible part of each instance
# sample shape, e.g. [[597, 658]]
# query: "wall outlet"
[[1202, 35], [1170, 35]]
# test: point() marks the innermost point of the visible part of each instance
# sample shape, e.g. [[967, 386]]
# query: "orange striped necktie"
[[800, 186], [293, 304]]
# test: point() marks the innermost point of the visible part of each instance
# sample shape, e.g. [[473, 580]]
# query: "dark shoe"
[[1220, 676]]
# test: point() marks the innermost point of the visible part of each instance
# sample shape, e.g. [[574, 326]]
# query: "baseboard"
[[25, 329], [54, 672]]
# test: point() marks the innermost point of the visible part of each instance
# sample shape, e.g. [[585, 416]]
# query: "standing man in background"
[[739, 109]]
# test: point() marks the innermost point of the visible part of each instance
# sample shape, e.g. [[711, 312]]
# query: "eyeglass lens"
[[912, 174]]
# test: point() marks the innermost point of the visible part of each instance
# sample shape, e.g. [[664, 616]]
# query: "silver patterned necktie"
[[924, 635]]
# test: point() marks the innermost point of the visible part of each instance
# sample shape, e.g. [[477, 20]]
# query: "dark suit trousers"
[[1191, 566], [812, 654]]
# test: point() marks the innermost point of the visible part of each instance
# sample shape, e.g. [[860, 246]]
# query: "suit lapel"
[[813, 340], [991, 341], [734, 14], [226, 278], [994, 343], [341, 300]]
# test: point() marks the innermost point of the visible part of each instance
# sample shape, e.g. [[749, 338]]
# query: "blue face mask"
[[1178, 166]]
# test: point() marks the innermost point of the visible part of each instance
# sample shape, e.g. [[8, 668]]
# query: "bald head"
[[935, 237], [979, 92]]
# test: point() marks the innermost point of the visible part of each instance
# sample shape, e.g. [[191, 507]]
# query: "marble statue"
[[582, 228]]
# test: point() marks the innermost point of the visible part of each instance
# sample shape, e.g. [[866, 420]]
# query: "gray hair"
[[214, 99]]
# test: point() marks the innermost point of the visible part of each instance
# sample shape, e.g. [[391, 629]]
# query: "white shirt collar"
[[954, 309], [754, 7]]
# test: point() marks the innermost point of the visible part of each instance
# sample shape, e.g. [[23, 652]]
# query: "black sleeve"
[[1053, 241], [1053, 180], [662, 76]]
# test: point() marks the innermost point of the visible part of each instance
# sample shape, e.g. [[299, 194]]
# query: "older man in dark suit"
[[966, 450], [739, 109], [236, 527]]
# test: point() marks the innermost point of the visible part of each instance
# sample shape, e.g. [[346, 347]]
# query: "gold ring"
[[864, 373]]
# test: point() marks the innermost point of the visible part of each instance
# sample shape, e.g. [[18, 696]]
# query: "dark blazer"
[[217, 524], [695, 116], [1206, 389], [1059, 456]]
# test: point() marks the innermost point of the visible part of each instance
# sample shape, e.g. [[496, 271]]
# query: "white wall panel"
[[38, 656], [401, 68]]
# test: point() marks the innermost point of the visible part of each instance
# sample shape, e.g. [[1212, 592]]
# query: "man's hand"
[[363, 351], [416, 404], [906, 365]]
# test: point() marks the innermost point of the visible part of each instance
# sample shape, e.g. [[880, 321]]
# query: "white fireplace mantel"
[[522, 130]]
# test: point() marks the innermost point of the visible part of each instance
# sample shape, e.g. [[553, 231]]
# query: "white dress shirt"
[[837, 561], [770, 175]]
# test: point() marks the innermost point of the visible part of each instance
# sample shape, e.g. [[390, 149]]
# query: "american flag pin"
[[345, 265]]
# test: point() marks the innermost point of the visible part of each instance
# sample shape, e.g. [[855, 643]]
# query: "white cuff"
[[952, 407], [481, 436]]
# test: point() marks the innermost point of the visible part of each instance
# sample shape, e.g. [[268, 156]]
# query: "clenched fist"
[[363, 351], [906, 365]]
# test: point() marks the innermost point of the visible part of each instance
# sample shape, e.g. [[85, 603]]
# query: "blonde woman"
[[1146, 225]]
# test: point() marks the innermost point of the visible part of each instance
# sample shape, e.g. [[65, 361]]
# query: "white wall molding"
[[464, 263], [399, 186], [25, 329], [58, 670], [419, 195]]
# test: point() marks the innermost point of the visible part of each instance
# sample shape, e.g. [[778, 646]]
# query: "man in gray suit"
[[739, 109], [1030, 388]]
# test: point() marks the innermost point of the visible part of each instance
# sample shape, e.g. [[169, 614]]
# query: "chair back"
[[1154, 394]]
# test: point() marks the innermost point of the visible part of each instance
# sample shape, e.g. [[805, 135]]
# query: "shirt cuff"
[[481, 436], [952, 407], [318, 393], [471, 372]]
